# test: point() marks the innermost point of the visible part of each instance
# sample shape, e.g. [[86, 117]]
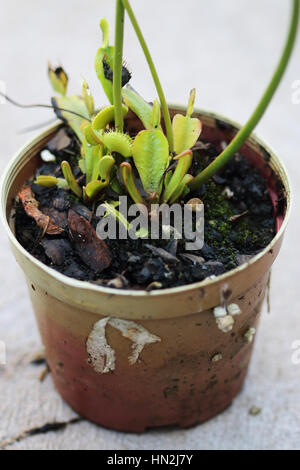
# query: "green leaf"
[[186, 129], [128, 180], [181, 188], [118, 142], [61, 183], [69, 177], [105, 52], [46, 181], [138, 105], [92, 155], [116, 214], [110, 210], [156, 115], [168, 178], [81, 164], [105, 166], [151, 157], [75, 104], [88, 98], [106, 116], [58, 79], [93, 189], [183, 165], [92, 136]]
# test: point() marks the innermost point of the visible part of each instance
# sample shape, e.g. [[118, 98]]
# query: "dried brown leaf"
[[30, 205]]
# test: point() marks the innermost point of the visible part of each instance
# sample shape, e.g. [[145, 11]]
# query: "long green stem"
[[246, 131], [164, 106], [118, 63]]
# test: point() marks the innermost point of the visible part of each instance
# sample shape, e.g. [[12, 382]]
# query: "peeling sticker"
[[102, 356]]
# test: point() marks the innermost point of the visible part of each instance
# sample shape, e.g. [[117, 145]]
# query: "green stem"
[[164, 106], [118, 64], [246, 131]]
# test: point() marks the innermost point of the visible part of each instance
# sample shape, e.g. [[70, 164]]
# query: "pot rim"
[[5, 185]]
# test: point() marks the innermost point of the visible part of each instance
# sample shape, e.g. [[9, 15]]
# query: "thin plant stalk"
[[118, 64], [247, 129], [163, 102]]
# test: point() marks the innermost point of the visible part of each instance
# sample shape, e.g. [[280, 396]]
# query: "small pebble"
[[227, 193], [217, 357], [119, 282], [254, 410], [220, 312], [234, 309], [225, 324], [47, 156], [249, 335]]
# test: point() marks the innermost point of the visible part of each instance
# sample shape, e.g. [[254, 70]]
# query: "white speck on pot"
[[225, 324], [217, 357], [249, 335], [234, 309], [47, 156], [220, 312]]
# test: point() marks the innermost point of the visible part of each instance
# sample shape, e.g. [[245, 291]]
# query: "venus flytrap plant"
[[161, 162]]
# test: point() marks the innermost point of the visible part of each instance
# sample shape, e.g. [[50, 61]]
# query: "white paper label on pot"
[[102, 356]]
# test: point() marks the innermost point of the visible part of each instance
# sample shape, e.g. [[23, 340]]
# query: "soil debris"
[[30, 205], [90, 248]]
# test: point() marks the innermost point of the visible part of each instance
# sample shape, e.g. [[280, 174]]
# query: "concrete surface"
[[227, 49]]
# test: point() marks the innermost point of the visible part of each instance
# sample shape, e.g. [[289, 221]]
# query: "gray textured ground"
[[227, 49]]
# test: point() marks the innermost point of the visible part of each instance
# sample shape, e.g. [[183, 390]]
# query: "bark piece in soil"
[[91, 249], [60, 141]]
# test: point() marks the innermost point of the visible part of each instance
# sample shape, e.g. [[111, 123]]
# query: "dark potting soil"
[[238, 224]]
